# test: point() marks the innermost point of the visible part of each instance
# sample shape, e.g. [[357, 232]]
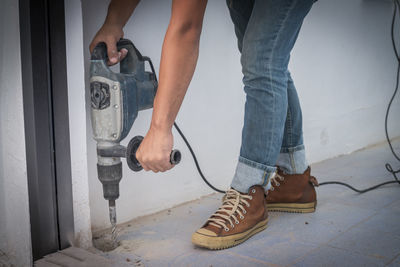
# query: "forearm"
[[118, 14], [119, 11], [178, 61]]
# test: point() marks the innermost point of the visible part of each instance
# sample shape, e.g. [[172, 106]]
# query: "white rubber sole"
[[293, 207], [222, 242]]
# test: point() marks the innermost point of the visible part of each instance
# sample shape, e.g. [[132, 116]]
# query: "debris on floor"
[[347, 229]]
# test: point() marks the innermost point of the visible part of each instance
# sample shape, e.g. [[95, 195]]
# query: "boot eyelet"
[[253, 191], [251, 198], [233, 226], [248, 205], [272, 189], [278, 184], [244, 212], [241, 217], [237, 222], [226, 229]]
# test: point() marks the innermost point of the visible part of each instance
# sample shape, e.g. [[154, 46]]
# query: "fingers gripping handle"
[[132, 63], [133, 163]]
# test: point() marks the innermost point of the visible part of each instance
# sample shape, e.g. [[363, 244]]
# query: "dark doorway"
[[45, 96]]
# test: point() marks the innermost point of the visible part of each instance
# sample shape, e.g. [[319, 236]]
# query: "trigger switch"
[[100, 95]]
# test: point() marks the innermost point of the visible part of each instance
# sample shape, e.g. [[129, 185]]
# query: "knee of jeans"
[[270, 78], [263, 70]]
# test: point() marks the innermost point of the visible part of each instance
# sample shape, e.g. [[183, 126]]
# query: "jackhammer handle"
[[133, 61], [175, 157], [100, 50], [133, 163]]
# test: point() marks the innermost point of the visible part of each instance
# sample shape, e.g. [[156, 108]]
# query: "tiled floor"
[[348, 229]]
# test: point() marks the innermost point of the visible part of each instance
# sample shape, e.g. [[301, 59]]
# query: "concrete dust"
[[104, 242], [105, 245], [148, 248]]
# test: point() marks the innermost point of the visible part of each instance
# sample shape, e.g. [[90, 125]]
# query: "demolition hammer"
[[116, 99]]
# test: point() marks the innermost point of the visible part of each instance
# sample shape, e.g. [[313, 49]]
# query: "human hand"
[[155, 150], [110, 34]]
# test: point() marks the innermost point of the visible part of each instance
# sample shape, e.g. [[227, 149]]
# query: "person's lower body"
[[272, 132]]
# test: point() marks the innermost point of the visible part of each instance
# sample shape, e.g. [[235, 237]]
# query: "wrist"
[[161, 126], [114, 26]]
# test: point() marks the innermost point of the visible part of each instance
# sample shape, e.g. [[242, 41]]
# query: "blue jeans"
[[272, 133]]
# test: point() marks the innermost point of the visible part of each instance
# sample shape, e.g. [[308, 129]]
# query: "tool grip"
[[134, 164], [100, 50], [132, 63], [175, 157]]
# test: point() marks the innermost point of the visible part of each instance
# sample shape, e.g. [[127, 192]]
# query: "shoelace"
[[274, 179], [232, 205]]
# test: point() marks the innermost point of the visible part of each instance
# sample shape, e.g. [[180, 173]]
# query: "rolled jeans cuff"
[[292, 160], [249, 173]]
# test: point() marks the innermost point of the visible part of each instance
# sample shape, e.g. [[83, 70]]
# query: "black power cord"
[[196, 162], [389, 168], [387, 165]]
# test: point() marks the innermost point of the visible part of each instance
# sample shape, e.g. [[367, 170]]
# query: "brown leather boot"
[[292, 192], [239, 217]]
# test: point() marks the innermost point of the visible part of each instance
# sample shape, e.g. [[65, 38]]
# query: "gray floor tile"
[[374, 200], [347, 229], [395, 262], [329, 220], [217, 258], [369, 242], [386, 220], [304, 228], [394, 206], [328, 256], [276, 249]]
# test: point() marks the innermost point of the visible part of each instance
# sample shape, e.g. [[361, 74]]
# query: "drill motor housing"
[[116, 99]]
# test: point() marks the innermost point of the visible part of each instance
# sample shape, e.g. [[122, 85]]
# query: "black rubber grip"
[[100, 51], [133, 146], [175, 157]]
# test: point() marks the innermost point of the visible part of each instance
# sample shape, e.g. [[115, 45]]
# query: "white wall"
[[77, 122], [15, 238], [343, 66]]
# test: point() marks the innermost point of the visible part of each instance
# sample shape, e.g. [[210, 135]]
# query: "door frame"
[[46, 118]]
